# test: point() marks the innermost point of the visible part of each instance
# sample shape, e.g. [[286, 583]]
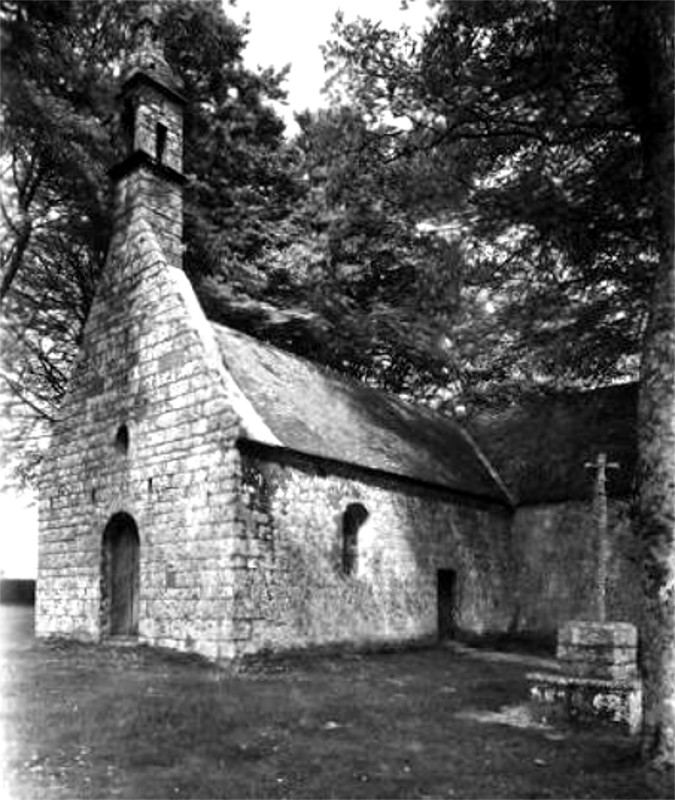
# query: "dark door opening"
[[120, 580], [447, 604]]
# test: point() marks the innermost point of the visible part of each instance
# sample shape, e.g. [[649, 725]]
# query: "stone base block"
[[599, 650], [588, 699], [598, 634], [601, 655], [595, 666]]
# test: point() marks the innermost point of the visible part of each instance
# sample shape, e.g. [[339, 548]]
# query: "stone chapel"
[[207, 492]]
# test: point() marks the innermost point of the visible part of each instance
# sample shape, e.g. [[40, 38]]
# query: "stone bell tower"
[[150, 176]]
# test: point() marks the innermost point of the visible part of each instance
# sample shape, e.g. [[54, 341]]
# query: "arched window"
[[122, 440], [352, 520]]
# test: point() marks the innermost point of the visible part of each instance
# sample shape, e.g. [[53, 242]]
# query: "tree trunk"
[[25, 228], [656, 476], [644, 40], [656, 523]]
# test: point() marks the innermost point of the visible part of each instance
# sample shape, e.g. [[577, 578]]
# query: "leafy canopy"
[[532, 165]]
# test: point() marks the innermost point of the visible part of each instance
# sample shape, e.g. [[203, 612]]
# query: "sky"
[[18, 536], [293, 31], [282, 32]]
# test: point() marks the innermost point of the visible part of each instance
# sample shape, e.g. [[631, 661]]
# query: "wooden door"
[[123, 576]]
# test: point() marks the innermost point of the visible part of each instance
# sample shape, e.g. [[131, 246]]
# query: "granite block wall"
[[147, 365], [555, 560], [150, 108], [291, 590]]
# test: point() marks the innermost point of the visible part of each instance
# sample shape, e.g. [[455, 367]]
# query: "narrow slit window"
[[160, 142], [128, 124]]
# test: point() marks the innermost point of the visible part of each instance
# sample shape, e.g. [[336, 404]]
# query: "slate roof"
[[317, 412], [540, 447]]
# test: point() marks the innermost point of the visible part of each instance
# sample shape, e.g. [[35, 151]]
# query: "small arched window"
[[122, 439], [352, 520]]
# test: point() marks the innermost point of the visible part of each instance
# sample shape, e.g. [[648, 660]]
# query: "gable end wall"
[[147, 363]]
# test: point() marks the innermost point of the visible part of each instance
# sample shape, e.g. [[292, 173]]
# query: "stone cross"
[[601, 465]]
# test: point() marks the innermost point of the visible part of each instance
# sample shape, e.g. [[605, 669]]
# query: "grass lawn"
[[80, 721]]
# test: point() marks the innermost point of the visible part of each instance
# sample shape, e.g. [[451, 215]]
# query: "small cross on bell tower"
[[150, 175]]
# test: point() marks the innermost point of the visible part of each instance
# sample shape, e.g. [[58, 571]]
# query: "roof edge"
[[474, 497], [139, 158], [249, 419], [492, 471], [139, 75]]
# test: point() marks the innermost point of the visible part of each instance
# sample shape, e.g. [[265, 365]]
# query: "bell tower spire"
[[150, 175]]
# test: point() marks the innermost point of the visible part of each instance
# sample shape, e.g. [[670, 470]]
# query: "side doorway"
[[120, 576], [447, 604]]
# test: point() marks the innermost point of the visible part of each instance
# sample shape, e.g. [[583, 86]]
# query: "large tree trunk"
[[644, 41], [656, 476], [656, 523], [656, 492]]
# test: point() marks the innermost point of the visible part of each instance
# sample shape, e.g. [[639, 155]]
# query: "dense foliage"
[[378, 293], [511, 115]]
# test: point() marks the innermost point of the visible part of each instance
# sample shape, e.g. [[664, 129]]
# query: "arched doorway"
[[120, 582]]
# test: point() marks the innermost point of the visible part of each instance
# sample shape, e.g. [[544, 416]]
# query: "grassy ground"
[[84, 721]]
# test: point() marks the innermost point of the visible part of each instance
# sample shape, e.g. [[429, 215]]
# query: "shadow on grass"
[[88, 721]]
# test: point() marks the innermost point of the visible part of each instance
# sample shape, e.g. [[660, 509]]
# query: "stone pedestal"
[[598, 676], [603, 650]]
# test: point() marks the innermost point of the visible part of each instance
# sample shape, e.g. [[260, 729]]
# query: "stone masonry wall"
[[290, 591], [148, 364], [160, 203], [152, 107], [555, 559]]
